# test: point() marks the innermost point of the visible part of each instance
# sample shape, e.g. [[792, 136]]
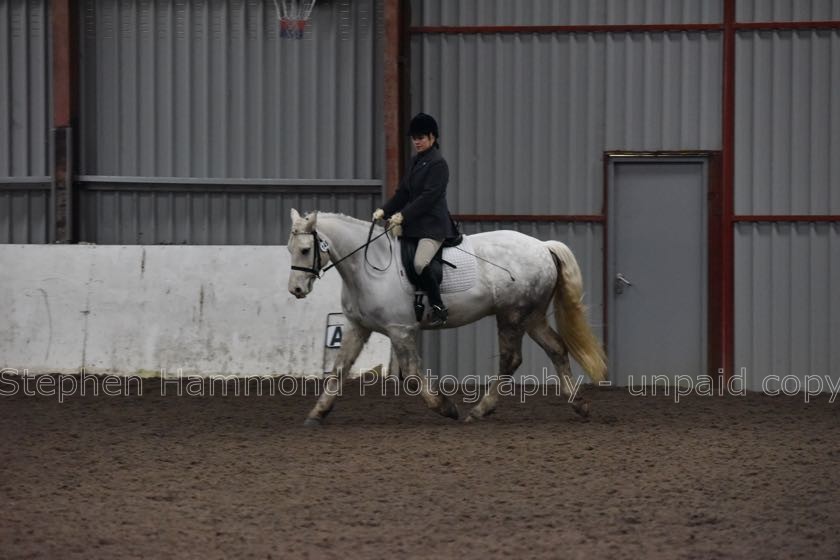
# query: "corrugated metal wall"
[[204, 214], [24, 121], [24, 210], [787, 131], [787, 313], [663, 91], [250, 125], [207, 89], [563, 12], [525, 119], [474, 349]]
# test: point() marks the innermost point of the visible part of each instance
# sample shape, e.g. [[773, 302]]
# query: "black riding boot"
[[430, 280]]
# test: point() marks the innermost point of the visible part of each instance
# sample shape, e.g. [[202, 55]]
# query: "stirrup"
[[419, 308], [439, 316]]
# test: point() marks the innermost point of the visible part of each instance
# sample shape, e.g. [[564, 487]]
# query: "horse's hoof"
[[472, 418], [583, 408], [313, 422], [450, 410]]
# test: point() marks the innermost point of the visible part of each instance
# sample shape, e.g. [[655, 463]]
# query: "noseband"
[[318, 245]]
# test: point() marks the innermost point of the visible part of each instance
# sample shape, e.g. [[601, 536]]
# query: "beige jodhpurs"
[[426, 251]]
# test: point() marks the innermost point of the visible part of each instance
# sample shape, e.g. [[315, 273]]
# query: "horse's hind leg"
[[352, 342], [404, 344], [510, 346], [550, 341]]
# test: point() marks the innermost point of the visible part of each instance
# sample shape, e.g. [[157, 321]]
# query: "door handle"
[[621, 282]]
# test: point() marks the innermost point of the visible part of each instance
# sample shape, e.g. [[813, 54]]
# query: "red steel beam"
[[596, 218], [62, 228], [802, 218], [491, 29], [624, 28], [786, 25], [62, 49], [727, 241], [392, 95], [715, 315]]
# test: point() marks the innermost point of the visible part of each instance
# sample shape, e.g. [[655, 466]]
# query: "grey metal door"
[[656, 269]]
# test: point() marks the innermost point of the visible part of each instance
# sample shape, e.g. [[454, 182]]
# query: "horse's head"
[[308, 254]]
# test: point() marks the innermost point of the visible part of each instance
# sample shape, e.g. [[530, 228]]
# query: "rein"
[[321, 245]]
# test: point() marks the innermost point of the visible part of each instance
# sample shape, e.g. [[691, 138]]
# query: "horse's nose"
[[298, 290]]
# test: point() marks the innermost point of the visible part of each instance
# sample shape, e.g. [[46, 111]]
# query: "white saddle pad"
[[458, 279]]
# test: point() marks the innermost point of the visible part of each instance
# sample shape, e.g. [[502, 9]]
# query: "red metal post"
[[394, 66], [63, 110], [727, 253], [62, 61], [715, 314]]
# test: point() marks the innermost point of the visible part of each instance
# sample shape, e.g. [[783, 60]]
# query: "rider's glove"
[[379, 214], [395, 224]]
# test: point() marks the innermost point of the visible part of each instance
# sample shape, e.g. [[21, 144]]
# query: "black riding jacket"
[[421, 197]]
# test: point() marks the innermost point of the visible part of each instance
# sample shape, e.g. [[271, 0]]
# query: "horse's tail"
[[570, 314]]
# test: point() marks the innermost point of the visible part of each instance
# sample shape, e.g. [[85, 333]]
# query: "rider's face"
[[423, 143]]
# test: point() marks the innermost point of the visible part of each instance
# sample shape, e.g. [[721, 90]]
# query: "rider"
[[419, 205]]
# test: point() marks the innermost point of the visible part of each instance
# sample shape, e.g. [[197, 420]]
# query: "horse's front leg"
[[404, 345], [352, 342]]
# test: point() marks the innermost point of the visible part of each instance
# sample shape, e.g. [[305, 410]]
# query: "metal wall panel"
[[564, 12], [786, 10], [25, 121], [474, 349], [24, 210], [525, 119], [206, 88], [663, 91], [787, 314], [121, 213], [787, 129], [24, 88]]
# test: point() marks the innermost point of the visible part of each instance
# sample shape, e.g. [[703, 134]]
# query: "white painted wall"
[[138, 309]]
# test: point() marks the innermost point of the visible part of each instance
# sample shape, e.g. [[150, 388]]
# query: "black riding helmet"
[[423, 124]]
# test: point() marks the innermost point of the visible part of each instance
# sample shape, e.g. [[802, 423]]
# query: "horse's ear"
[[310, 220], [295, 215]]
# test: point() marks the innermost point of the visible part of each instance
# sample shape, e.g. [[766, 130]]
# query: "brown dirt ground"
[[235, 477]]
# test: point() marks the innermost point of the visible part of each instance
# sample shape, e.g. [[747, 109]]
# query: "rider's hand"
[[379, 214], [396, 219]]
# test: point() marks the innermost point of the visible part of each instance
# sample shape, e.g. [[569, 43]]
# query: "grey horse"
[[375, 301]]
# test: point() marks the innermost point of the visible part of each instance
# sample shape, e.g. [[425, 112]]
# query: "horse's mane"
[[340, 217], [310, 221]]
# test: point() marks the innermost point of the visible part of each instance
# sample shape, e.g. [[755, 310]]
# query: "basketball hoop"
[[293, 15]]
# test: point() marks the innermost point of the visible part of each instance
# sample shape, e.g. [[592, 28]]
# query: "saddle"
[[408, 248], [453, 266]]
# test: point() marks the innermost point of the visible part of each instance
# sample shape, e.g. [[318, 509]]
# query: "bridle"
[[320, 245]]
